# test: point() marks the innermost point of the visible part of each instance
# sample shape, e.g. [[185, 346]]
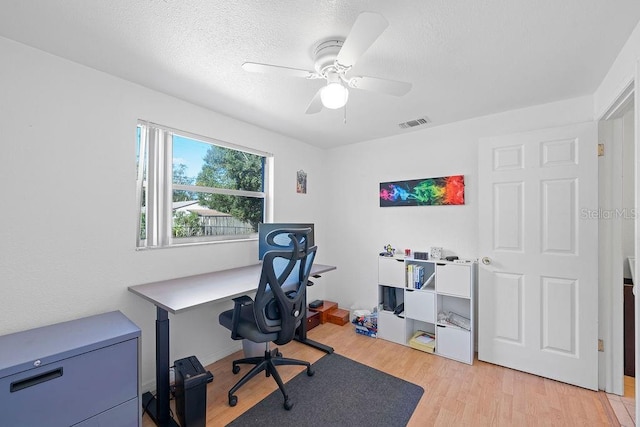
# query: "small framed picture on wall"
[[301, 182]]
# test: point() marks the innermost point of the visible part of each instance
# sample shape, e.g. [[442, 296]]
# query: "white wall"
[[360, 228], [69, 214]]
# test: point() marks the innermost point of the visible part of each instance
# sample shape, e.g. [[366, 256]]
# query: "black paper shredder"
[[191, 392]]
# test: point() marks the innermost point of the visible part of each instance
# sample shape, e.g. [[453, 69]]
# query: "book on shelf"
[[415, 276], [424, 341], [424, 338]]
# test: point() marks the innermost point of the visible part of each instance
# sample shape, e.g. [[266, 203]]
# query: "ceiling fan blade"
[[315, 106], [390, 87], [366, 29], [255, 67]]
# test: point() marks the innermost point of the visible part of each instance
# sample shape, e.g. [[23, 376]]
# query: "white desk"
[[176, 295], [183, 293]]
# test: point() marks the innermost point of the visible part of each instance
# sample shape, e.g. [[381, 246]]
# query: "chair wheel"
[[310, 372], [235, 369], [288, 404], [233, 400]]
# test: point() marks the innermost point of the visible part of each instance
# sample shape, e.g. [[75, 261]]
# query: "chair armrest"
[[238, 303], [242, 300]]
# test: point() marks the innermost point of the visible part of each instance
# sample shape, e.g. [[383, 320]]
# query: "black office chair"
[[277, 309]]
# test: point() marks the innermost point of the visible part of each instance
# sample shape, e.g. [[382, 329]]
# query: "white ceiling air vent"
[[413, 123]]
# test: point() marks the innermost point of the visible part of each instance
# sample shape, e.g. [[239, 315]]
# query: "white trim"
[[213, 190], [619, 106], [140, 183], [611, 262], [207, 139], [269, 189], [636, 139]]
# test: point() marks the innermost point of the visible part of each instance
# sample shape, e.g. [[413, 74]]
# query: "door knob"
[[486, 260]]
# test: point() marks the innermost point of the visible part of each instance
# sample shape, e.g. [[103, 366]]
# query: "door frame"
[[611, 362]]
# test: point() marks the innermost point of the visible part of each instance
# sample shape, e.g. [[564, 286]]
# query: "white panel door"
[[538, 275]]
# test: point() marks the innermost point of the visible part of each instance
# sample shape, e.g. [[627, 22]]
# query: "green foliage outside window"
[[186, 224], [225, 168]]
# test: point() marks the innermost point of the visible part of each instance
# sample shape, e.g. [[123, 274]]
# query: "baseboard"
[[220, 354]]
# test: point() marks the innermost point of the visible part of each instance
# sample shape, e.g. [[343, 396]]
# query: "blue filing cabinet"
[[83, 372]]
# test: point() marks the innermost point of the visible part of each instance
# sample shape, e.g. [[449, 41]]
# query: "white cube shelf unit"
[[438, 299]]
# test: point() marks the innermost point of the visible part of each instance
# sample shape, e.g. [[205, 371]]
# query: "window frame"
[[155, 154]]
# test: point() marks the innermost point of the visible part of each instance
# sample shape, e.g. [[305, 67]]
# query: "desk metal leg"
[[315, 344], [301, 335], [158, 407]]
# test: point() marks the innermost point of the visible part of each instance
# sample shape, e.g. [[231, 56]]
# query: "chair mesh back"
[[279, 301]]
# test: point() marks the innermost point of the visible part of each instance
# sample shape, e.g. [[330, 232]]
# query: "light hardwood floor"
[[455, 394], [625, 406]]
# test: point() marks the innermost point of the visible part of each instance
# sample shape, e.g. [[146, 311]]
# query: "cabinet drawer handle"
[[35, 380]]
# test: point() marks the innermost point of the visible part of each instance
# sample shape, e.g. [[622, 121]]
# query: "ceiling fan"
[[333, 61]]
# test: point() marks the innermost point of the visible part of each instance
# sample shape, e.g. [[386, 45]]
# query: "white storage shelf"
[[427, 303]]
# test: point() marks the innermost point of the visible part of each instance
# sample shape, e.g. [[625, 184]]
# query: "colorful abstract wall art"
[[447, 190]]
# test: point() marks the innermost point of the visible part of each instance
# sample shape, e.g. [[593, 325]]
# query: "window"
[[193, 189]]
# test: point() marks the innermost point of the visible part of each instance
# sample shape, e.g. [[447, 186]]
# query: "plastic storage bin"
[[366, 324]]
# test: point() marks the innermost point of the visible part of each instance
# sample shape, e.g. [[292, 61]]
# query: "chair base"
[[266, 363]]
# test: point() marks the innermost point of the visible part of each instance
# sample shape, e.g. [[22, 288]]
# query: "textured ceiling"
[[464, 58]]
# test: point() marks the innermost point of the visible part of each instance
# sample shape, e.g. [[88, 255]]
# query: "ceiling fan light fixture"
[[334, 95], [334, 59]]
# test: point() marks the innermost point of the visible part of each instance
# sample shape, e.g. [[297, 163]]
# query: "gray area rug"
[[342, 392]]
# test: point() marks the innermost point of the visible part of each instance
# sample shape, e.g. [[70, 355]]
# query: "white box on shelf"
[[391, 327], [454, 343], [391, 271], [420, 305], [454, 279]]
